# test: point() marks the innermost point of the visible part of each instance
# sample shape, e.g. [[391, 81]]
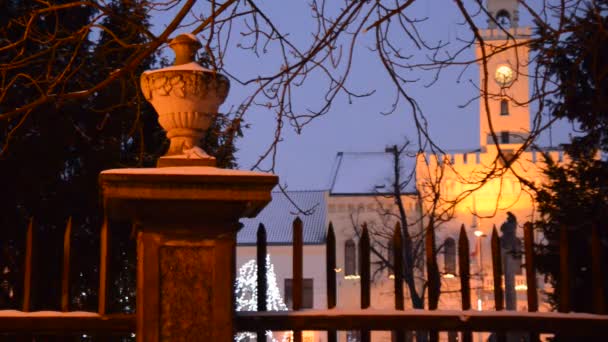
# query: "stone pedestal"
[[187, 220]]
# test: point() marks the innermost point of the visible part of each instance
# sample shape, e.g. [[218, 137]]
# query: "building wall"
[[348, 212], [480, 205]]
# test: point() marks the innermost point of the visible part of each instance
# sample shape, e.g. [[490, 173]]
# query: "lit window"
[[504, 107], [449, 261], [504, 137], [390, 255], [307, 293], [350, 258]]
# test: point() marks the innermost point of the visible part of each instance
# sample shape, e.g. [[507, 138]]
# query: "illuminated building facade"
[[475, 188]]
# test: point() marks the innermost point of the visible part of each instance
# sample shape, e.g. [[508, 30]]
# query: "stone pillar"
[[187, 220]]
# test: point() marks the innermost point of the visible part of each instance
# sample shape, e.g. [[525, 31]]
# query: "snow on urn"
[[186, 97]]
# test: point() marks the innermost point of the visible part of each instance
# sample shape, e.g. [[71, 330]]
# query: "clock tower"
[[504, 97]]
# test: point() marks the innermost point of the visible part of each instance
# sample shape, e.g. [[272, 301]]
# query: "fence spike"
[[27, 274], [465, 276], [497, 274], [497, 270], [597, 272], [564, 270], [104, 270], [530, 273], [398, 266], [330, 256], [330, 265], [530, 267], [262, 283], [364, 266], [397, 242], [298, 246], [463, 268], [432, 269], [65, 272]]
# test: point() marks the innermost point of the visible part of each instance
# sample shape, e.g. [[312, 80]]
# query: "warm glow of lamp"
[[478, 233], [449, 276], [391, 276], [338, 270]]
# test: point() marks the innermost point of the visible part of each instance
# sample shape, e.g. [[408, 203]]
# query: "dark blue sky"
[[304, 161]]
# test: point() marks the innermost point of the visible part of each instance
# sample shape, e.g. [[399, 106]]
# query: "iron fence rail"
[[331, 320], [432, 320]]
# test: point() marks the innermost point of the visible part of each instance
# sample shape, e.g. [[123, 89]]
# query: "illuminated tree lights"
[[246, 294]]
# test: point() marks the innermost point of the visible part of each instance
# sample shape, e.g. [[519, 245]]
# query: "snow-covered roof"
[[278, 218], [364, 173]]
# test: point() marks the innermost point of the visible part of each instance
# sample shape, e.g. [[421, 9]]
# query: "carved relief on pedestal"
[[186, 315]]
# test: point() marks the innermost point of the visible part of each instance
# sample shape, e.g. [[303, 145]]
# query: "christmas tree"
[[246, 293]]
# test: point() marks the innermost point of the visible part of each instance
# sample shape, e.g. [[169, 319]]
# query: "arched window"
[[449, 261], [504, 107], [390, 254], [503, 18], [350, 258]]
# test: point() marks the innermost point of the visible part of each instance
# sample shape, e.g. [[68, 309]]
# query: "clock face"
[[503, 75]]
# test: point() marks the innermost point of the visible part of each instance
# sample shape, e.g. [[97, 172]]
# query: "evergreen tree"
[[246, 294], [122, 131], [38, 148], [576, 195], [51, 156]]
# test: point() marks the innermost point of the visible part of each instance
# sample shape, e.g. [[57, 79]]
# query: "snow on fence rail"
[[65, 322]]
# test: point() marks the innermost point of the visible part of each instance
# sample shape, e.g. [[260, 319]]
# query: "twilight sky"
[[304, 161]]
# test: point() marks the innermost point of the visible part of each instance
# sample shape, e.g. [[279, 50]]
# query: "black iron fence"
[[333, 319], [432, 321]]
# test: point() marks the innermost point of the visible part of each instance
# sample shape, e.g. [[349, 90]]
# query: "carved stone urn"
[[186, 97]]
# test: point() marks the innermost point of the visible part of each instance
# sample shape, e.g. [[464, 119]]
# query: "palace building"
[[479, 188]]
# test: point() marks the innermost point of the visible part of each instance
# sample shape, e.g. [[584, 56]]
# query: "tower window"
[[350, 263], [504, 137], [449, 261], [390, 254], [503, 18], [504, 107]]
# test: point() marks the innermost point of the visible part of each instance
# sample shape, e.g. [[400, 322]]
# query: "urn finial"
[[186, 97], [185, 47]]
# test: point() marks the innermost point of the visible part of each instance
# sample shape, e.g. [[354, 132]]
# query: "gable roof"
[[366, 173], [278, 218]]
